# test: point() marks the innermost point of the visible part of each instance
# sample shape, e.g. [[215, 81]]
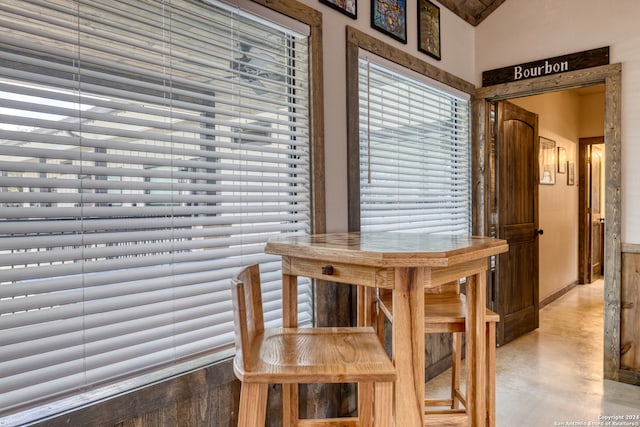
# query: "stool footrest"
[[438, 402], [447, 420], [335, 422]]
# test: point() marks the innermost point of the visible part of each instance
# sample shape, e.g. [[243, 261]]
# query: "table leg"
[[289, 301], [408, 345], [491, 374], [289, 320], [366, 299], [476, 349]]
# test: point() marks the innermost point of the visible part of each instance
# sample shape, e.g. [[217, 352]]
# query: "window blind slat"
[[120, 321], [217, 116], [97, 342], [103, 225], [158, 259], [116, 117], [272, 163], [140, 236], [146, 211]]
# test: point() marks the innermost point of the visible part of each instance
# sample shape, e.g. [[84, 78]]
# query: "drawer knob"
[[327, 270]]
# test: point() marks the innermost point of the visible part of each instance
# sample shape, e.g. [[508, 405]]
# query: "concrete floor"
[[553, 376]]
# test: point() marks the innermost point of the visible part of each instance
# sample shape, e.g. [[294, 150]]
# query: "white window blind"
[[415, 170], [148, 149]]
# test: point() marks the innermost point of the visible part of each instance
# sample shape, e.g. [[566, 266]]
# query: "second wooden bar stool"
[[445, 312], [302, 356]]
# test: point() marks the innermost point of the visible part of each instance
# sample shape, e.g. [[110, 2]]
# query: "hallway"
[[553, 376]]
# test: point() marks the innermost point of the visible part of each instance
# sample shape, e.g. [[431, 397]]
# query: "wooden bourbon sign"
[[546, 67]]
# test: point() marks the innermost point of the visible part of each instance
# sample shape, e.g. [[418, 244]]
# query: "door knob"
[[539, 232]]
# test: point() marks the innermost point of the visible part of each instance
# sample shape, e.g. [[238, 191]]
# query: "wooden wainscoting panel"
[[204, 397], [630, 313]]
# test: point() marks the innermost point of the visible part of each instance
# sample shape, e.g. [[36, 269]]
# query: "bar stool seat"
[[445, 311], [302, 356]]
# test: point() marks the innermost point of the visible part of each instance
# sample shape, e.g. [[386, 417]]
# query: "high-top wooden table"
[[405, 263]]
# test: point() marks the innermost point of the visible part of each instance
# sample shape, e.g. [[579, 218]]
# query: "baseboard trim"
[[629, 377], [551, 298]]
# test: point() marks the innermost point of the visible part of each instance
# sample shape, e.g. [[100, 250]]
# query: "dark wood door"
[[516, 287]]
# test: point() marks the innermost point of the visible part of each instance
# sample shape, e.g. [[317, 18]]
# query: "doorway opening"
[[610, 76], [571, 193], [591, 205]]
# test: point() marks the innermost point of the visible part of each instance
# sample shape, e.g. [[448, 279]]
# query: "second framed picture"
[[547, 161], [390, 17], [348, 7], [571, 173], [429, 29]]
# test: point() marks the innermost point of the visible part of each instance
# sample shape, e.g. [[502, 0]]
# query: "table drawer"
[[339, 272]]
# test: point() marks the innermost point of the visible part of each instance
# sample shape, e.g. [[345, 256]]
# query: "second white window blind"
[[415, 169]]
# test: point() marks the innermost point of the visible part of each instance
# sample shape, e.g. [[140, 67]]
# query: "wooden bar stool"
[[302, 356], [445, 311]]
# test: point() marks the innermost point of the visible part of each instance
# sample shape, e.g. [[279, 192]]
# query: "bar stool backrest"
[[248, 316]]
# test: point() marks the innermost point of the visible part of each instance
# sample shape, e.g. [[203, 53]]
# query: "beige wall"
[[592, 115], [523, 30], [559, 120], [457, 58]]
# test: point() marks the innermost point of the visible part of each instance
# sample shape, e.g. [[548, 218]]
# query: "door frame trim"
[[611, 76]]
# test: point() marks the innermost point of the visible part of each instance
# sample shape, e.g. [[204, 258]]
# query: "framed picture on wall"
[[390, 17], [571, 173], [547, 161], [562, 160], [348, 7], [429, 28]]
